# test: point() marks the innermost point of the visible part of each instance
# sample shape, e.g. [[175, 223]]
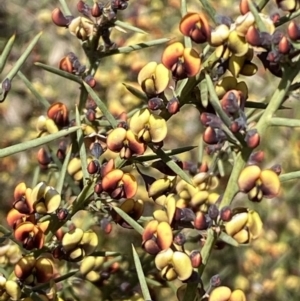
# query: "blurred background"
[[269, 268]]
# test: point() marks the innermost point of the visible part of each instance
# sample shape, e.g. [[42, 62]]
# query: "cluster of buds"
[[232, 103], [28, 205], [71, 64], [96, 22]]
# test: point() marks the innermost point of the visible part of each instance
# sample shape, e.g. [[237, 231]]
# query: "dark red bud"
[[93, 167], [284, 45], [200, 222], [59, 19], [226, 214], [173, 106], [252, 138]]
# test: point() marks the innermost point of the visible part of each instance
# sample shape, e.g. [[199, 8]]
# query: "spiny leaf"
[[17, 66], [33, 90], [141, 276], [82, 151], [208, 9], [23, 57], [20, 147], [6, 51], [128, 49], [129, 27], [137, 227], [136, 92], [260, 105], [204, 93], [175, 168], [171, 152], [228, 239], [59, 72]]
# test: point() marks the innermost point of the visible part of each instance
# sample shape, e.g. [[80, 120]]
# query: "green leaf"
[[83, 197], [208, 9], [136, 92], [203, 93], [177, 170], [59, 72], [258, 21], [128, 49], [82, 151], [6, 51], [129, 27], [260, 105], [23, 58], [32, 89], [17, 66], [63, 171], [137, 227], [113, 122], [183, 11], [171, 152], [65, 8], [141, 276], [228, 239], [20, 147], [289, 176]]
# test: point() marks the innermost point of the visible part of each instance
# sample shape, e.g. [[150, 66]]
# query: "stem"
[[277, 121], [207, 249], [278, 97], [289, 176], [288, 18]]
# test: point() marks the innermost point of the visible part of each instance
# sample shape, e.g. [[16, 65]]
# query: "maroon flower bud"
[[252, 138], [155, 103], [253, 36], [96, 10], [83, 8], [293, 31], [59, 19], [284, 45], [200, 222], [98, 188], [173, 106], [93, 167], [90, 81], [226, 214], [211, 120], [196, 258], [90, 115], [62, 214]]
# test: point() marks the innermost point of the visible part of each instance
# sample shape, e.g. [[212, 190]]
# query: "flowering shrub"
[[119, 202]]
